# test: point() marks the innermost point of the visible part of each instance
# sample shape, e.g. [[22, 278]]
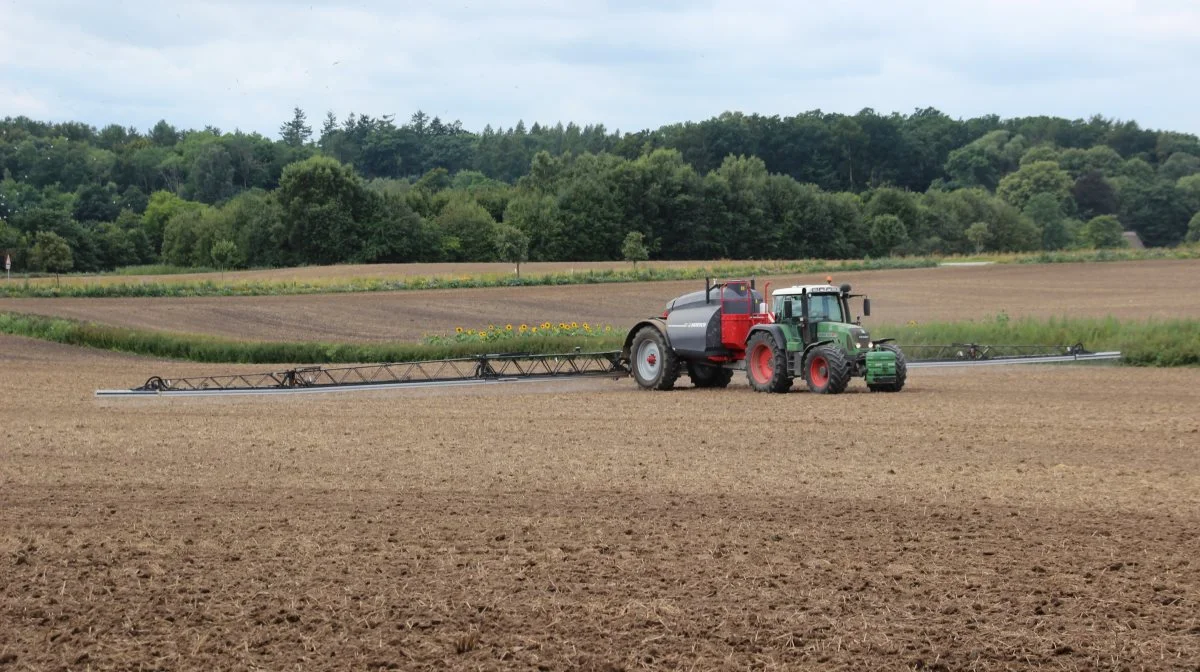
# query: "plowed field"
[[990, 519], [1136, 290]]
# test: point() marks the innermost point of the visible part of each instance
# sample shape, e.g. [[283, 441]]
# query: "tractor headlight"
[[870, 345]]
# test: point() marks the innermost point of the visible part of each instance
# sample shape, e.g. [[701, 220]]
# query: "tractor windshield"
[[825, 308]]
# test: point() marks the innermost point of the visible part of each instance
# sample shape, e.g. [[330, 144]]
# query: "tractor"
[[806, 333]]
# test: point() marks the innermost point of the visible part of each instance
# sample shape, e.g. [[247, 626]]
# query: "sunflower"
[[533, 330], [574, 325], [586, 327], [523, 328], [508, 327], [458, 330]]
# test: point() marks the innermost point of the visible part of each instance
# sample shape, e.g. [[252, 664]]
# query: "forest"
[[366, 189]]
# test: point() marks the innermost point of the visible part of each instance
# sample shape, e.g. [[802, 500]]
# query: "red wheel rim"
[[762, 364], [651, 359], [818, 371]]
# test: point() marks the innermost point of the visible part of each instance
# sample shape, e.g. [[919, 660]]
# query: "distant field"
[[371, 271], [158, 281], [1127, 290]]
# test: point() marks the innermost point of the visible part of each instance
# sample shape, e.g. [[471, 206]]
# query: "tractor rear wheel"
[[827, 370], [706, 375], [901, 371], [766, 364], [655, 365]]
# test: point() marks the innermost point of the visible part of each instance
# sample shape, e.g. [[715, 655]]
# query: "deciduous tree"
[[51, 254]]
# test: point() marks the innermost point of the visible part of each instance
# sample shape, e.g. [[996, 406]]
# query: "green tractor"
[[813, 338], [806, 333]]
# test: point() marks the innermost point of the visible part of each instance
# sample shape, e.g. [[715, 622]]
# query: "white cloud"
[[626, 64]]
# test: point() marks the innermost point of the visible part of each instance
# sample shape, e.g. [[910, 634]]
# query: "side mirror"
[[867, 307], [787, 309]]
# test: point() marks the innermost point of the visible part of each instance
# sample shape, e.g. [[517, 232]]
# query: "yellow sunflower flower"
[[523, 328], [458, 330], [508, 327]]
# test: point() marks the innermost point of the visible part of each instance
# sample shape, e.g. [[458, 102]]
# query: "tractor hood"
[[851, 336]]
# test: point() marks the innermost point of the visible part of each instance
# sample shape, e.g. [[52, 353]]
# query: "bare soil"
[[981, 519], [1136, 290]]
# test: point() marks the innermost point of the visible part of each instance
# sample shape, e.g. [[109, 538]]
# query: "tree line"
[[366, 189]]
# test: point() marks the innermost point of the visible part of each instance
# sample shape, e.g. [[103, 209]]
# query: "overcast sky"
[[626, 64]]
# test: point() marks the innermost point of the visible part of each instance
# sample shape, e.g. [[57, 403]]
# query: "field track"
[[1135, 290], [978, 520]]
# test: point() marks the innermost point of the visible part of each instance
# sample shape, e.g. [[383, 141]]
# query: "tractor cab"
[[821, 312]]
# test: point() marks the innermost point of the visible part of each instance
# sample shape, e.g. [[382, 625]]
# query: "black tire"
[[652, 361], [901, 371], [826, 370], [766, 364], [705, 375]]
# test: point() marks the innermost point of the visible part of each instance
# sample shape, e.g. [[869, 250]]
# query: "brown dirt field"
[[986, 519], [1136, 290]]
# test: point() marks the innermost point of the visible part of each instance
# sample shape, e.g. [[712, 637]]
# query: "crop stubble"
[[1130, 290], [976, 520]]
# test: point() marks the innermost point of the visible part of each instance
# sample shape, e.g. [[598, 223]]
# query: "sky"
[[626, 64]]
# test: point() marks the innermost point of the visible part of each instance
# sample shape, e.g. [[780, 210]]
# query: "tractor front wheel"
[[827, 370], [766, 364], [705, 375], [655, 365], [901, 371]]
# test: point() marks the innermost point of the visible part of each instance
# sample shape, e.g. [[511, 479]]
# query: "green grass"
[[160, 269], [1142, 343], [1121, 254]]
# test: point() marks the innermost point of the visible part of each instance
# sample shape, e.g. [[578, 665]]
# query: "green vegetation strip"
[[1080, 256], [1142, 343], [336, 285]]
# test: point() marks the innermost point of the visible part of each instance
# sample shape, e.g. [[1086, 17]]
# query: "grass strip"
[[408, 283], [1174, 342], [1163, 343]]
